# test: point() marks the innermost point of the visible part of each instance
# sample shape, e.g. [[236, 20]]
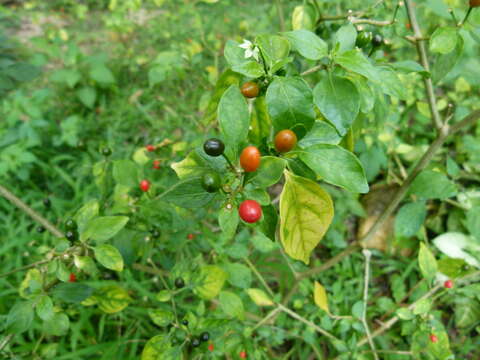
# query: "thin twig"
[[280, 15], [29, 211], [422, 53], [313, 69], [307, 322], [5, 341], [260, 277], [367, 255]]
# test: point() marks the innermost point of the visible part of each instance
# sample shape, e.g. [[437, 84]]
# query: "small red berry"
[[433, 338], [156, 164], [72, 278], [191, 236], [211, 347], [150, 148], [144, 185], [243, 354], [250, 211], [448, 284]]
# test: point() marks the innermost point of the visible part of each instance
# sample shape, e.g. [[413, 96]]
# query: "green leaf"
[[355, 61], [187, 193], [453, 268], [473, 221], [232, 305], [345, 37], [306, 211], [87, 95], [422, 307], [274, 48], [338, 101], [125, 172], [103, 228], [198, 163], [161, 317], [44, 307], [239, 275], [431, 184], [261, 122], [444, 63], [58, 325], [263, 243], [19, 318], [410, 66], [336, 166], [163, 295], [112, 299], [72, 292], [88, 211], [233, 117], [444, 40], [86, 264], [233, 53], [405, 314], [321, 133], [228, 219], [270, 171], [223, 83], [259, 297], [307, 44], [109, 256], [212, 279], [427, 262], [391, 84], [102, 75], [410, 218], [251, 69], [290, 103]]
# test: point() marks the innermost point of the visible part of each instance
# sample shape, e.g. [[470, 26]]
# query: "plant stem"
[[259, 276], [230, 164], [422, 53], [367, 255], [466, 16], [280, 15], [29, 211], [307, 322]]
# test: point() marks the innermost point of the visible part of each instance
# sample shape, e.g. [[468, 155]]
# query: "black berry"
[[179, 283], [214, 147], [377, 40], [106, 151], [71, 235], [70, 224], [195, 342], [205, 336], [40, 229], [185, 322]]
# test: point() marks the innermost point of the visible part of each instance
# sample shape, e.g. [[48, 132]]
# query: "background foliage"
[[79, 76]]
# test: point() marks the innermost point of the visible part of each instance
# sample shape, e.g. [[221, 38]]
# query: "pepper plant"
[[277, 157]]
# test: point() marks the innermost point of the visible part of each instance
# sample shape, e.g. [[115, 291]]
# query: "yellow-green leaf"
[[212, 279], [109, 256], [259, 297], [31, 283], [112, 299], [320, 297], [156, 348], [306, 212]]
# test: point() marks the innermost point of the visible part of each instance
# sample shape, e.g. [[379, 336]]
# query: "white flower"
[[250, 49]]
